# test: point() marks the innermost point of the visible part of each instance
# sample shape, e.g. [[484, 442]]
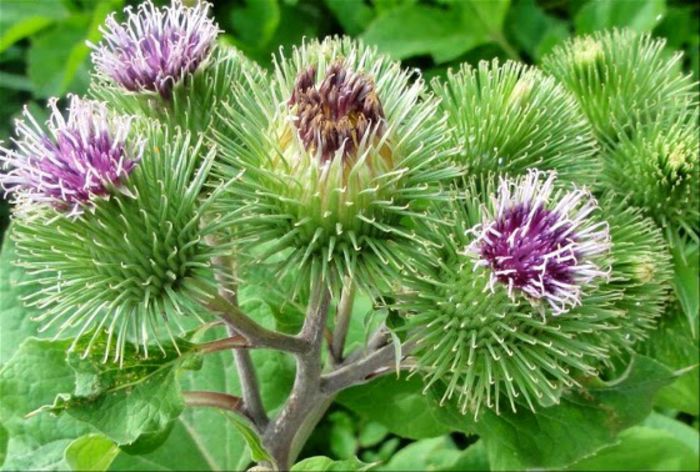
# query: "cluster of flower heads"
[[70, 161], [156, 47], [547, 253]]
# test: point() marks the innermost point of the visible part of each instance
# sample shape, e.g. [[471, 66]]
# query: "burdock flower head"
[[539, 242], [156, 47], [71, 160], [530, 287], [330, 160]]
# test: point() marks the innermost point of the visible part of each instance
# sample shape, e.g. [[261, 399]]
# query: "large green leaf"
[[580, 425], [390, 401], [33, 376], [686, 280], [642, 448], [15, 318], [444, 33], [535, 31], [673, 345], [206, 438], [640, 15]]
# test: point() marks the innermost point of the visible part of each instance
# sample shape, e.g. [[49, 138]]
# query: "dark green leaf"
[[353, 16], [589, 421], [323, 464], [533, 30]]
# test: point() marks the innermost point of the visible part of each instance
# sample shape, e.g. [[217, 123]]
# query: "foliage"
[[611, 384]]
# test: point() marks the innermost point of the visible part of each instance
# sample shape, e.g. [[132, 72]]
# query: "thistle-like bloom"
[[133, 265], [542, 244], [329, 160], [622, 79], [507, 118], [70, 161], [482, 331], [338, 114], [156, 47]]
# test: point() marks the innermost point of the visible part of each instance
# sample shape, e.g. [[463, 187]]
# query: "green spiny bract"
[[194, 100], [329, 160], [659, 168], [494, 345], [622, 79], [509, 118], [135, 262]]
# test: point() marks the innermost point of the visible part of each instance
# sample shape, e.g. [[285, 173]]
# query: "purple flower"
[[337, 115], [541, 242], [70, 161], [155, 48]]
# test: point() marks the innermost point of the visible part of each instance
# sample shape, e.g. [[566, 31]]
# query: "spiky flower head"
[[134, 265], [659, 168], [155, 48], [71, 161], [539, 243], [329, 160], [502, 318], [622, 79], [506, 118]]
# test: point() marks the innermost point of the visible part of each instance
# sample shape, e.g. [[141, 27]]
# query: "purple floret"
[[68, 162], [547, 253], [156, 47]]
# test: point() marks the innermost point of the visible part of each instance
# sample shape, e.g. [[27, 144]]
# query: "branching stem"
[[219, 400]]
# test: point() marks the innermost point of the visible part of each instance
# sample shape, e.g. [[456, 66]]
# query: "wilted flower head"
[[72, 160], [541, 242], [338, 114], [327, 160], [156, 47]]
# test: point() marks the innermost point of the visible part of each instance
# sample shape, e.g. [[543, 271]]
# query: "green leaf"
[[642, 448], [323, 464], [50, 54], [204, 438], [20, 19], [31, 378], [255, 24], [372, 433], [672, 345], [427, 454], [352, 16], [533, 30], [4, 438], [257, 451], [390, 401], [686, 281], [344, 442], [640, 15], [92, 452], [588, 421], [414, 30], [681, 431], [15, 322]]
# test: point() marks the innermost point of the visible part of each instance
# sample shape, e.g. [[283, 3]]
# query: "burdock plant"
[[490, 226]]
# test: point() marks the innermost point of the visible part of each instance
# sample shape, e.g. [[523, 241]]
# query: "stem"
[[235, 320], [363, 370], [233, 342], [342, 320], [219, 400], [306, 404]]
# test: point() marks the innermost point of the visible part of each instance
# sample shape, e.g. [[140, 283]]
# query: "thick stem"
[[306, 404], [250, 388]]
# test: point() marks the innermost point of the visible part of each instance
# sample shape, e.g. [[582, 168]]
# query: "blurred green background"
[[43, 51]]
